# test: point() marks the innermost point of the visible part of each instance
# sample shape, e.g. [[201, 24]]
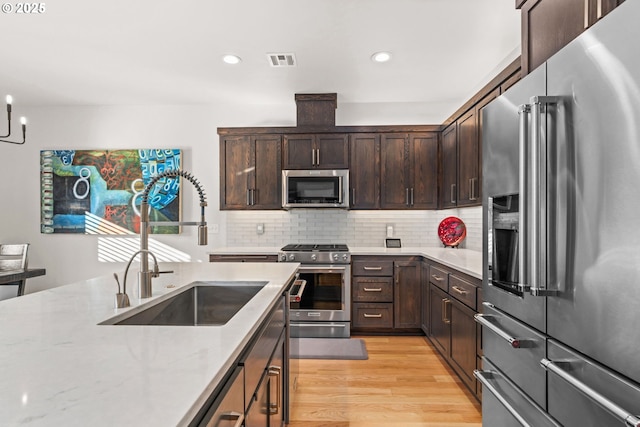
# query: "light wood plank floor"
[[404, 383]]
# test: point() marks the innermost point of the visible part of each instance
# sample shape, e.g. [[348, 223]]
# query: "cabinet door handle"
[[472, 189], [274, 371], [248, 197], [599, 9], [445, 318], [453, 193], [317, 157], [459, 290], [313, 157], [406, 196], [230, 416], [367, 268], [411, 196], [353, 196], [372, 289], [586, 13], [437, 278], [368, 316]]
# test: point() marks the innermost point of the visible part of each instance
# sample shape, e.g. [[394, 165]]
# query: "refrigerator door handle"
[[628, 418], [537, 203], [523, 217]]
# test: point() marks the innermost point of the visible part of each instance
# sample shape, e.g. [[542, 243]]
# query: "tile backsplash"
[[355, 228]]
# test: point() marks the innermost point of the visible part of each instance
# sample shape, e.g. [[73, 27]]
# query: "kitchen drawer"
[[372, 289], [439, 277], [372, 315], [515, 349], [463, 291], [372, 268]]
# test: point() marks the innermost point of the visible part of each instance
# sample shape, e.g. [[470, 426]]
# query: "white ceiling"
[[128, 52]]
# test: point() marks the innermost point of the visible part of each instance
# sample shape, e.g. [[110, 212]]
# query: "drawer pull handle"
[[437, 278], [375, 316], [373, 289], [483, 319], [372, 268], [628, 418], [459, 290]]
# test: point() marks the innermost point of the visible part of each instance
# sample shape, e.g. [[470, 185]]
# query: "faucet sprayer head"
[[202, 235]]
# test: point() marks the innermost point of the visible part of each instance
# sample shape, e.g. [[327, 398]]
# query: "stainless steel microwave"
[[315, 188]]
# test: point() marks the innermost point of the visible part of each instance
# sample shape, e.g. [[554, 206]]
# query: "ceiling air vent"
[[282, 59]]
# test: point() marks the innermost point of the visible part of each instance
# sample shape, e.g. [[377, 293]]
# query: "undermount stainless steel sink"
[[199, 304]]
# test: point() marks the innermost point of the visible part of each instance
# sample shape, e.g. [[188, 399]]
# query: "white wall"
[[69, 258]]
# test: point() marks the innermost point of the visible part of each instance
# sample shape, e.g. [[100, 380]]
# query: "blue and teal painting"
[[99, 191]]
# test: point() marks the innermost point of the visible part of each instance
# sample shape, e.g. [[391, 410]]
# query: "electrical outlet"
[[214, 228], [260, 229], [389, 230]]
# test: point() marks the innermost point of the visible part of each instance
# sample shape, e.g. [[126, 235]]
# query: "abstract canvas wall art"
[[98, 191]]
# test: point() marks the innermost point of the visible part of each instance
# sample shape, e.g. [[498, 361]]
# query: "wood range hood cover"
[[316, 109]]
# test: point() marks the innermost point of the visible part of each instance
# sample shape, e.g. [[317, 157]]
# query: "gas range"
[[315, 253]]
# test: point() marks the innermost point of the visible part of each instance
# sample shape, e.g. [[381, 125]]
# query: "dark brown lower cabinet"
[[463, 342], [440, 323], [386, 294], [266, 407], [453, 300], [406, 305]]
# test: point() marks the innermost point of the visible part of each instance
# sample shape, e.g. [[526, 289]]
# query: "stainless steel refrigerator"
[[561, 237]]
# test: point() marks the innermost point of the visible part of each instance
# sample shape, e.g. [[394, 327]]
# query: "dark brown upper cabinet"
[[250, 172], [548, 25], [409, 171], [462, 157], [468, 160], [364, 172], [316, 151], [449, 188]]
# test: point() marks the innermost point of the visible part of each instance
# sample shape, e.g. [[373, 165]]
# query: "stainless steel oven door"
[[327, 294]]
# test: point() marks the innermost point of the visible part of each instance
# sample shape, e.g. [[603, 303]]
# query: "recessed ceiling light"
[[231, 59], [381, 56]]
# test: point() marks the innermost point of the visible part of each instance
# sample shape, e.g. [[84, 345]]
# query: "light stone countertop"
[[59, 367], [464, 260]]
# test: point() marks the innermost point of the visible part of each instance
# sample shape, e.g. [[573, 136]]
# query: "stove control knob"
[[292, 257], [314, 257], [345, 257], [335, 257], [283, 257]]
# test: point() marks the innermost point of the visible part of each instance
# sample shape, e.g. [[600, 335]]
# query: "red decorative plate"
[[452, 231]]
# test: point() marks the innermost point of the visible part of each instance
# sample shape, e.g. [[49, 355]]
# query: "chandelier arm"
[[8, 124]]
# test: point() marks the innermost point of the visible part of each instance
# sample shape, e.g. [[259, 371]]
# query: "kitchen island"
[[61, 367]]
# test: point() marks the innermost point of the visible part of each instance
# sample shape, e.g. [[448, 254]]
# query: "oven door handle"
[[322, 269], [319, 325]]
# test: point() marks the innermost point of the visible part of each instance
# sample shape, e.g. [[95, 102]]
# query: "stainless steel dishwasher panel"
[[515, 349], [582, 393]]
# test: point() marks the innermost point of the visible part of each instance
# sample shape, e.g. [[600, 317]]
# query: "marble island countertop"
[[60, 367], [464, 260]]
